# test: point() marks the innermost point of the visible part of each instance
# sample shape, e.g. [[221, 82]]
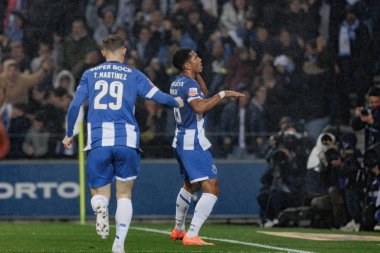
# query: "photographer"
[[332, 202], [282, 183], [355, 181], [371, 212], [369, 118], [314, 185]]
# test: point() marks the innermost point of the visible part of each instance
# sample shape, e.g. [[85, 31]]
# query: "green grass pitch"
[[52, 237]]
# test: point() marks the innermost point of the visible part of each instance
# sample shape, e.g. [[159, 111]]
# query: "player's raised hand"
[[180, 102], [67, 142], [231, 93]]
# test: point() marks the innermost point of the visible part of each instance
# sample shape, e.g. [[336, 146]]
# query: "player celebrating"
[[113, 134], [191, 146]]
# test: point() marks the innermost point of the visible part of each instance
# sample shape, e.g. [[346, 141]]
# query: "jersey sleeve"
[[145, 88], [80, 96], [191, 91]]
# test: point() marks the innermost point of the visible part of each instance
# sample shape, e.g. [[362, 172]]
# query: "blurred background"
[[304, 135]]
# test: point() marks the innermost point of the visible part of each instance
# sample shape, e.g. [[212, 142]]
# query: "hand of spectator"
[[260, 141], [180, 102], [358, 110], [99, 3], [67, 142], [337, 69], [47, 64], [227, 141], [28, 150], [367, 118]]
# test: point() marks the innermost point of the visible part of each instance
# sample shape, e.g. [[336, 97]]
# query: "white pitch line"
[[258, 245]]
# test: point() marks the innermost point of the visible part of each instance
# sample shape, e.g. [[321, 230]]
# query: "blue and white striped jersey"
[[111, 89], [190, 132]]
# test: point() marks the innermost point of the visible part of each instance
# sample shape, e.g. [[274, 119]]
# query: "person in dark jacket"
[[369, 118], [238, 124]]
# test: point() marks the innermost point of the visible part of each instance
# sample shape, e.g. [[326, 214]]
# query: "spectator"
[[180, 35], [65, 79], [5, 109], [369, 118], [233, 15], [18, 54], [239, 69], [102, 25], [74, 44], [238, 124], [259, 128], [316, 83], [15, 30], [218, 67], [36, 138], [279, 101], [354, 58], [261, 42], [54, 118], [147, 44], [125, 14], [17, 84], [44, 50], [91, 59], [16, 132], [38, 99]]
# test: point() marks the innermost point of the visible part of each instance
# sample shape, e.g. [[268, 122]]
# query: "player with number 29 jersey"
[[112, 89]]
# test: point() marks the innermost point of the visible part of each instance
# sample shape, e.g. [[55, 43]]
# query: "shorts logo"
[[193, 92], [214, 169]]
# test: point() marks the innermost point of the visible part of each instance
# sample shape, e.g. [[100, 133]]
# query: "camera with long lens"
[[279, 159], [364, 111], [331, 155]]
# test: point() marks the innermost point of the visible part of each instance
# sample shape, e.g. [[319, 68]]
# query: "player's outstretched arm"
[[204, 105], [165, 99]]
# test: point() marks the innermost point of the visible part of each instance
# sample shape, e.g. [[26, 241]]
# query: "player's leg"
[[99, 204], [123, 214], [182, 203], [182, 206], [201, 170], [204, 206], [100, 171], [127, 165]]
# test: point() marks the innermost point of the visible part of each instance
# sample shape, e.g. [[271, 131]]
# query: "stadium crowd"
[[302, 64]]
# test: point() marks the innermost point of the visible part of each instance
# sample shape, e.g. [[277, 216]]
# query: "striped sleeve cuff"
[[152, 92]]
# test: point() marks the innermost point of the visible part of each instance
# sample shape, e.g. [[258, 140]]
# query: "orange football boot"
[[176, 235], [196, 240]]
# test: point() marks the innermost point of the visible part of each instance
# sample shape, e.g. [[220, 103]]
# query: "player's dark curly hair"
[[180, 57]]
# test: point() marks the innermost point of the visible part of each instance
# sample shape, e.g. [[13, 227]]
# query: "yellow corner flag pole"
[[82, 196], [78, 129]]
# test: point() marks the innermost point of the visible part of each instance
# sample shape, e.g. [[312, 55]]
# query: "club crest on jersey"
[[214, 169], [193, 92]]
